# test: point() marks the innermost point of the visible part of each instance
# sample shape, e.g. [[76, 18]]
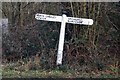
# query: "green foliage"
[[113, 69], [107, 76]]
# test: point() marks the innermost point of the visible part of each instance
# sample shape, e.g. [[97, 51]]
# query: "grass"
[[35, 73], [0, 72], [11, 72]]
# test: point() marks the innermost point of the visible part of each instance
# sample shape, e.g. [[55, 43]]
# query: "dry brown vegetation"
[[30, 47]]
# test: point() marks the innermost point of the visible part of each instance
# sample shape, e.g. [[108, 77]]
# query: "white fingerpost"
[[61, 40], [63, 19]]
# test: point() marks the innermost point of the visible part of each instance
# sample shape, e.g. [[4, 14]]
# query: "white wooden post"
[[61, 40]]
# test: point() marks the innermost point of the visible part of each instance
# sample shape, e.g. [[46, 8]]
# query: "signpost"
[[63, 19]]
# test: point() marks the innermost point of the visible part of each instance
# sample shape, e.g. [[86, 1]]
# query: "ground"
[[11, 71]]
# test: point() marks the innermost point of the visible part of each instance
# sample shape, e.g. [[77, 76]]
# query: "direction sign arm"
[[46, 17], [83, 21]]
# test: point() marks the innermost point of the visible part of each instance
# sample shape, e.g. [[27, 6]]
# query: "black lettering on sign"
[[49, 16], [74, 20], [41, 17]]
